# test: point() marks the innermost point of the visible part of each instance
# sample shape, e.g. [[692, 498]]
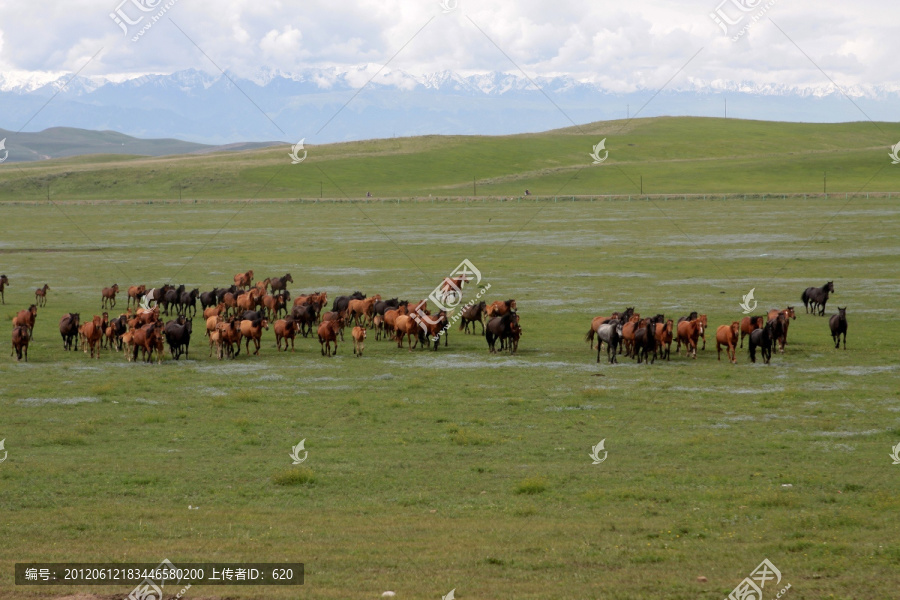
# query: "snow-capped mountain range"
[[329, 104]]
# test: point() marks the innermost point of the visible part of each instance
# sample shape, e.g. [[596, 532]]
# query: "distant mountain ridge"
[[322, 104], [62, 142]]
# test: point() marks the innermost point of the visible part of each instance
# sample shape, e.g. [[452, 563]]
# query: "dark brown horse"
[[68, 329], [20, 338], [40, 295], [838, 325], [472, 314], [814, 297], [749, 325], [279, 284]]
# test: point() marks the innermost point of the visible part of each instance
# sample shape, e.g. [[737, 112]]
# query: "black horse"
[[178, 335], [209, 299], [187, 303], [838, 324], [342, 303], [645, 342], [817, 297], [763, 339]]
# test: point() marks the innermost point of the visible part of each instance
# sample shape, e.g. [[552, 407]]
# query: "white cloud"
[[624, 46]]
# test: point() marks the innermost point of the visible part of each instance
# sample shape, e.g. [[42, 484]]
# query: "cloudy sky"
[[623, 46]]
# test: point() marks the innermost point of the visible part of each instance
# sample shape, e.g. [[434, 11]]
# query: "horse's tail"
[[590, 335], [805, 298]]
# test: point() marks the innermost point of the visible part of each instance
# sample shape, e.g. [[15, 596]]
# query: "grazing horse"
[[68, 329], [500, 328], [359, 338], [611, 333], [279, 284], [108, 296], [20, 337], [749, 325], [243, 280], [664, 338], [727, 335], [817, 297], [252, 330], [286, 329], [4, 281], [135, 293], [838, 325], [91, 333], [473, 313], [328, 332], [688, 333], [763, 339], [500, 308], [40, 295]]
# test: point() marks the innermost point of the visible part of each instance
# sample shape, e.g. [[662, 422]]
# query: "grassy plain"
[[459, 469]]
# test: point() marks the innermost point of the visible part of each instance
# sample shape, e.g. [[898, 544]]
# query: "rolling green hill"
[[671, 155]]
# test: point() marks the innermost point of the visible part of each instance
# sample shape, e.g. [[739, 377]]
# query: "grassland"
[[659, 156], [459, 469]]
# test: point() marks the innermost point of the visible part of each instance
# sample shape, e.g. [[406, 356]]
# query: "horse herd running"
[[647, 339], [241, 312]]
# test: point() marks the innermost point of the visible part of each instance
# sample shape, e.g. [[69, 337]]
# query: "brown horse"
[[20, 337], [40, 295], [286, 329], [473, 313], [390, 319], [362, 308], [628, 331], [26, 318], [147, 339], [244, 280], [664, 338], [4, 281], [787, 313], [328, 332], [727, 335], [500, 308], [91, 334], [689, 333], [252, 330], [407, 325], [749, 325], [359, 339], [135, 293], [108, 296]]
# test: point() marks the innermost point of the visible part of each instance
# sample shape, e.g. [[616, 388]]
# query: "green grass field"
[[459, 469], [681, 155]]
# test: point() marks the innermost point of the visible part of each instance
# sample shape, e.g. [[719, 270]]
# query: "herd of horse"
[[241, 312], [647, 339]]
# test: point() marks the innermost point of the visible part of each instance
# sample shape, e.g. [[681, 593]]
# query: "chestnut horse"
[[749, 325], [135, 293], [40, 295], [359, 339], [91, 333], [688, 333], [26, 318], [664, 338], [500, 308], [727, 335], [244, 280], [286, 329], [328, 332]]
